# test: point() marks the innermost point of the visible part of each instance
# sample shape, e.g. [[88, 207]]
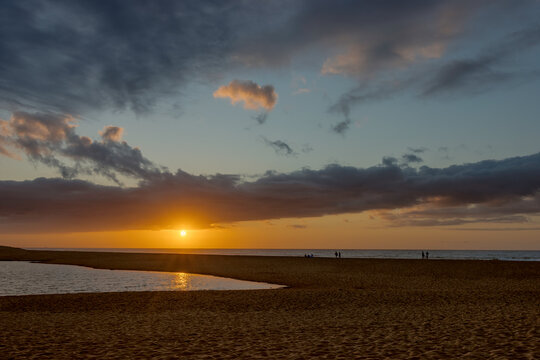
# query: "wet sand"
[[346, 308]]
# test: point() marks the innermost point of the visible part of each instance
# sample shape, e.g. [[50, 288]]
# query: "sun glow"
[[183, 233]]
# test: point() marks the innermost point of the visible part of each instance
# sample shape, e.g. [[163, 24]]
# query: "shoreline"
[[298, 268], [332, 308], [455, 254]]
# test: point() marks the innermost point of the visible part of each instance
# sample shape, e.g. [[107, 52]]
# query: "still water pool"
[[26, 278]]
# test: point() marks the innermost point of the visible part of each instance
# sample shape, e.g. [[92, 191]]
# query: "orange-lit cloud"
[[398, 45], [33, 128], [252, 95], [51, 139], [356, 60], [112, 133], [4, 151]]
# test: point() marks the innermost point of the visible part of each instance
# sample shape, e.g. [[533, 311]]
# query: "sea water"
[[507, 255], [27, 278]]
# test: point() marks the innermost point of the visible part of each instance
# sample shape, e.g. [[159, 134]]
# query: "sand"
[[333, 308]]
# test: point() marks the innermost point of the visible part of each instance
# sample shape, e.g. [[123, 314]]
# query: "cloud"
[[460, 76], [404, 220], [252, 95], [403, 162], [365, 93], [5, 152], [4, 141], [487, 191], [472, 74], [359, 37], [261, 118], [85, 56], [76, 57], [342, 126], [480, 73], [297, 226], [438, 213], [361, 60], [497, 229], [411, 158], [389, 161], [280, 147], [50, 139], [112, 133], [418, 150]]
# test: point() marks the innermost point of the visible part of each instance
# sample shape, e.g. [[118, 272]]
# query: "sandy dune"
[[335, 309]]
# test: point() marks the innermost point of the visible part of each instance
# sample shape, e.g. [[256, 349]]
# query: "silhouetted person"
[[336, 254], [427, 255], [423, 255], [339, 254]]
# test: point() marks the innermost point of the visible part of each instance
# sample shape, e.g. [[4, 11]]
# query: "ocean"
[[504, 255]]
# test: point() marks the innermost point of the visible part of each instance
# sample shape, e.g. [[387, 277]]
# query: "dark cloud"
[[411, 158], [75, 56], [480, 73], [456, 77], [280, 147], [439, 213], [404, 161], [261, 118], [51, 138], [487, 191], [362, 36], [498, 229], [405, 220], [472, 74], [342, 126], [366, 92], [389, 161], [418, 150]]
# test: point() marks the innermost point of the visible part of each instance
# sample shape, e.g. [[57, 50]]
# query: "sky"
[[270, 124]]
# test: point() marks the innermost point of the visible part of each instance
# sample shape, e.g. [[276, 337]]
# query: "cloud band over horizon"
[[485, 191]]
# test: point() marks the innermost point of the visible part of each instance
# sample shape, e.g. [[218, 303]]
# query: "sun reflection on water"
[[181, 281]]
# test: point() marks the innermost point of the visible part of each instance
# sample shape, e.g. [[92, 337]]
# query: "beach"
[[331, 308]]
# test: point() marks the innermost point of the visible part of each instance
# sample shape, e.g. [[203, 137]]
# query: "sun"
[[183, 233]]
